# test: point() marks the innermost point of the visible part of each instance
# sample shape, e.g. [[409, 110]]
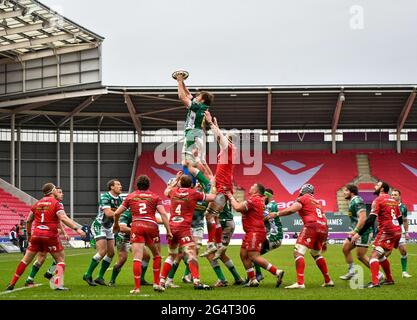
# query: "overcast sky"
[[248, 42]]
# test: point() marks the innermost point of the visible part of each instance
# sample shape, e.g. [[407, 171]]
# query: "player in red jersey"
[[223, 184], [389, 232], [46, 215], [183, 203], [255, 234], [313, 236], [143, 205]]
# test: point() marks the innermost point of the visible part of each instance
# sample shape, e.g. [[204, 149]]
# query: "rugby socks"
[[258, 269], [193, 265], [187, 268], [205, 183], [93, 265], [19, 271], [300, 265], [137, 272], [216, 267], [211, 229], [272, 269], [404, 263], [116, 270], [374, 266], [351, 268], [52, 268], [59, 275], [166, 268], [171, 274], [156, 269], [321, 264], [34, 271], [386, 267], [105, 264], [250, 274], [229, 264], [144, 268], [219, 235]]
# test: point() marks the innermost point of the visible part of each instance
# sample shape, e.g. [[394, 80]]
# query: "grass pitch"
[[77, 261]]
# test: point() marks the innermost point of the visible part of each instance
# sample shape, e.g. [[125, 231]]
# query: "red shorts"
[[181, 237], [253, 241], [144, 232], [313, 237], [387, 241], [43, 244]]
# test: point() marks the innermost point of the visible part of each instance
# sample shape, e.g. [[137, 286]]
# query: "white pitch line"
[[20, 289]]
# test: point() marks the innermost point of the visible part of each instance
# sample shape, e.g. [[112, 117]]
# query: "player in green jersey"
[[103, 234], [123, 246], [194, 149], [396, 195], [274, 233], [357, 215]]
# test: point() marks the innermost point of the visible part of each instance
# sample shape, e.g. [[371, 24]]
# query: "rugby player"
[[313, 236], [45, 215], [386, 209]]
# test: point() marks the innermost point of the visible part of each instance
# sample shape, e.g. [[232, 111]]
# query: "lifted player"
[[252, 212], [313, 236], [396, 195], [389, 232], [46, 215], [194, 149], [224, 184]]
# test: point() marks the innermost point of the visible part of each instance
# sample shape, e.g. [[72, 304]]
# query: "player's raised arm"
[[295, 207], [220, 137], [238, 206], [173, 184], [183, 93]]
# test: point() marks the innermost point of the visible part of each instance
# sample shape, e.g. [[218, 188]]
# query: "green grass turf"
[[77, 261]]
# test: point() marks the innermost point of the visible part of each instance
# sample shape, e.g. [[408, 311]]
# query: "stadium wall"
[[39, 165]]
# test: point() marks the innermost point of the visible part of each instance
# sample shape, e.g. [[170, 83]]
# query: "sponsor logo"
[[410, 168], [177, 219], [293, 181]]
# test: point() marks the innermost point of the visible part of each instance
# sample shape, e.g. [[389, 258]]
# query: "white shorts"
[[402, 240], [101, 233], [198, 234]]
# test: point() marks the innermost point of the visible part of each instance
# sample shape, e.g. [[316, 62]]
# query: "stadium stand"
[[399, 170], [285, 172], [12, 210]]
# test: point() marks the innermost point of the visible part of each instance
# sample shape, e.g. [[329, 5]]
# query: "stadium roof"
[[275, 108], [32, 30]]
